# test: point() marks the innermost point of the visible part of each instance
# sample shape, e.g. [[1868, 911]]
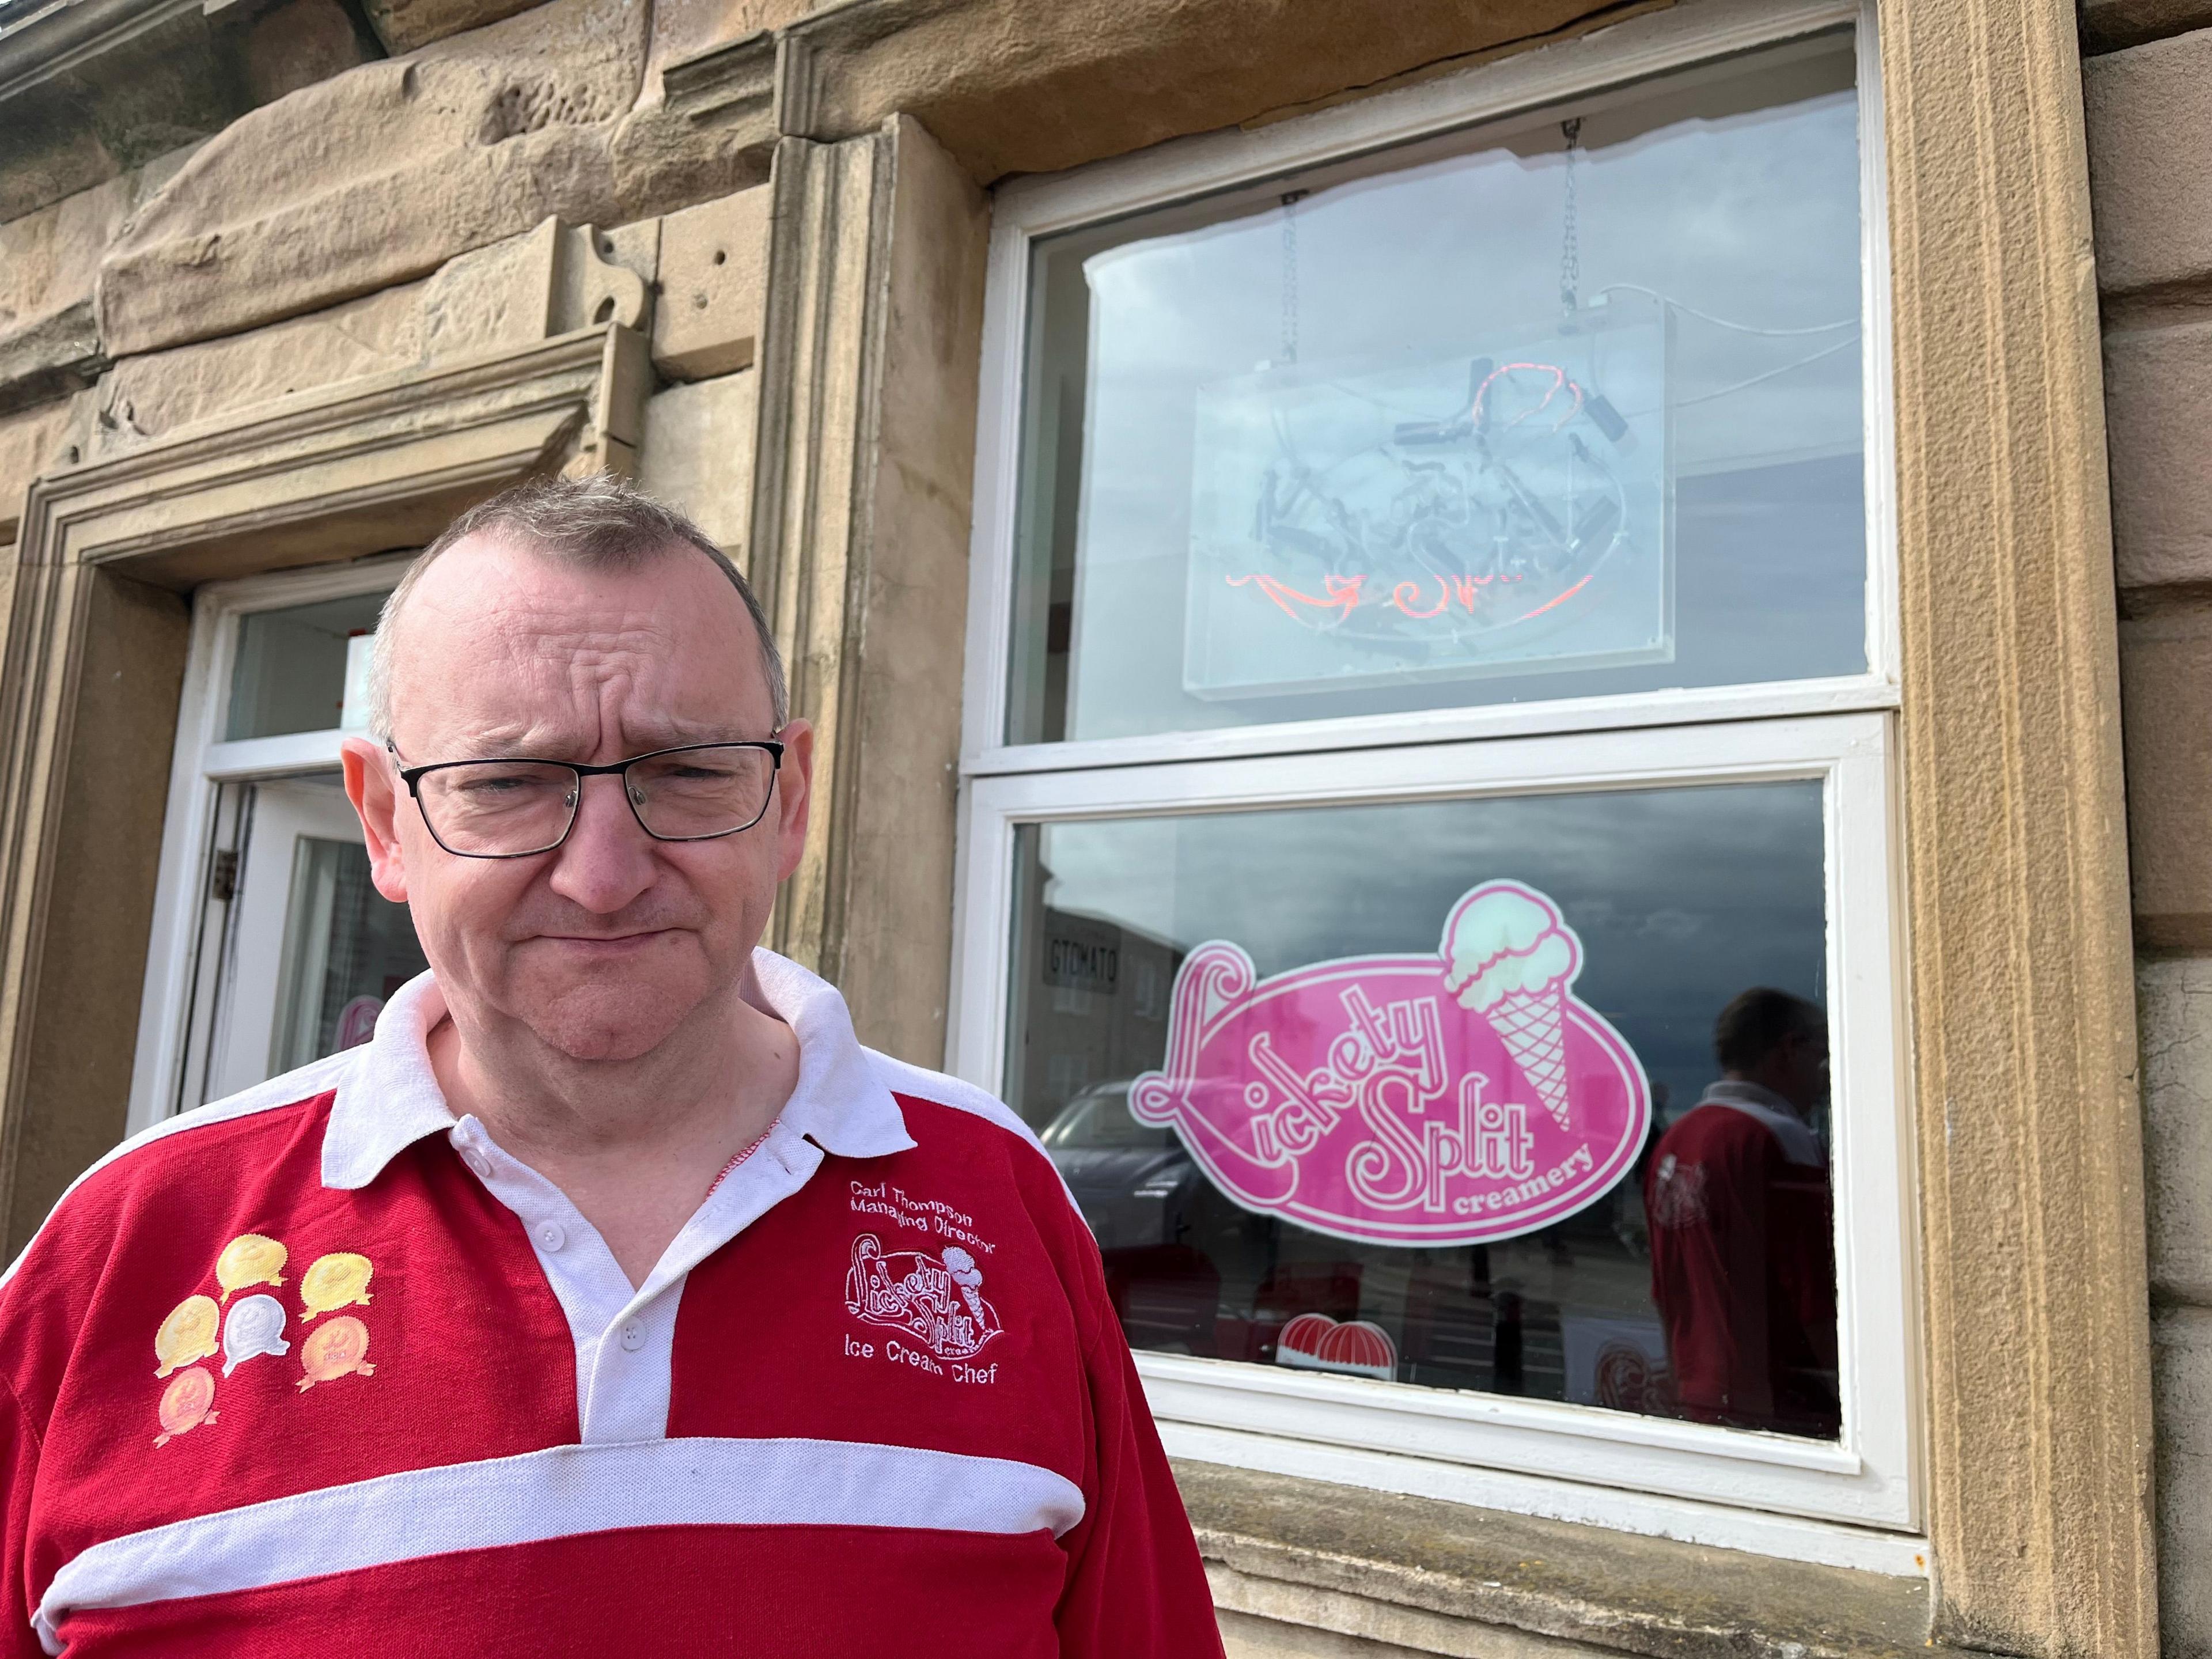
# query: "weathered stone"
[[295, 46], [2148, 109], [32, 440], [683, 29], [1009, 86], [713, 276], [2165, 696], [698, 455], [2109, 25], [2158, 383], [97, 88], [2174, 1001], [406, 26], [498, 295], [2181, 1352], [379, 176]]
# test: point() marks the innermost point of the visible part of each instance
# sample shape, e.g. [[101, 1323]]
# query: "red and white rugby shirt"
[[320, 1367]]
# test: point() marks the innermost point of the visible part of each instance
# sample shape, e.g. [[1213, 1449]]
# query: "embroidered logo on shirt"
[[188, 1334], [255, 1327], [936, 1299], [337, 1349], [338, 1280], [249, 1259], [1677, 1194], [186, 1403]]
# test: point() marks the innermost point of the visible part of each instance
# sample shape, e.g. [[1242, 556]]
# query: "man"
[[613, 1298], [1742, 1228]]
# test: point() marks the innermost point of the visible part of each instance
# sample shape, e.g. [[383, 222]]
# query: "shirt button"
[[479, 1162], [632, 1336], [551, 1238]]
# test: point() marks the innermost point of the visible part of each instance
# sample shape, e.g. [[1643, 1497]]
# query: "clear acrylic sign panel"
[[1264, 475], [1478, 511]]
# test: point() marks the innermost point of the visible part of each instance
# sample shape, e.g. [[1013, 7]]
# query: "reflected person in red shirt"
[[1743, 1228]]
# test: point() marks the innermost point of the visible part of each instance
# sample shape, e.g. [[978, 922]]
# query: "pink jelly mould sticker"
[[1444, 1099]]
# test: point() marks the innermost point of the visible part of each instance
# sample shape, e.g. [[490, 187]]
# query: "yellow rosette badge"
[[249, 1259], [188, 1334], [336, 1280]]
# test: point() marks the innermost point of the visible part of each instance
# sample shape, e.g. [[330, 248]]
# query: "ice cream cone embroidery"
[[249, 1259], [937, 1300], [338, 1280], [1513, 960], [187, 1402], [188, 1334], [339, 1348]]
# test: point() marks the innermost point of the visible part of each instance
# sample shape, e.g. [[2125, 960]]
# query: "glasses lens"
[[702, 791], [496, 808]]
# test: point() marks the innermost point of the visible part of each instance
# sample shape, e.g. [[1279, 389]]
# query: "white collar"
[[389, 1098], [1799, 1144]]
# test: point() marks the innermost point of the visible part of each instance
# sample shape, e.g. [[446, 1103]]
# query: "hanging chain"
[[1290, 200], [1570, 251]]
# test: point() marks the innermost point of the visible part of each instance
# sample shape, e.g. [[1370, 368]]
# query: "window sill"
[[1289, 1556]]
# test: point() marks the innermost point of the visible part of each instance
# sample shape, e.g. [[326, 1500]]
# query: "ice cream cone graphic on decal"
[[1512, 958], [962, 1267]]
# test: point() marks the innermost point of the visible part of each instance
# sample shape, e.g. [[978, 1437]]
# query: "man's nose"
[[607, 859]]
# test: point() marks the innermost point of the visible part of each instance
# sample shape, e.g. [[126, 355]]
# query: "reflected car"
[[1135, 1183]]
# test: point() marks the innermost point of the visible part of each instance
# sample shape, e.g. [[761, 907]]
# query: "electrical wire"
[[1722, 322]]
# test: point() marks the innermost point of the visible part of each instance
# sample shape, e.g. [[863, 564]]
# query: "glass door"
[[271, 947], [315, 951]]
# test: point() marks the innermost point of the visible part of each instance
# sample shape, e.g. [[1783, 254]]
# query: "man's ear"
[[374, 790], [795, 795]]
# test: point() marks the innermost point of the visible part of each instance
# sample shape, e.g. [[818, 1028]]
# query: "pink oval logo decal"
[[1447, 1099]]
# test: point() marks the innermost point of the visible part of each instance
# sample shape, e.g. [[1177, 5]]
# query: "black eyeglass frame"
[[412, 776]]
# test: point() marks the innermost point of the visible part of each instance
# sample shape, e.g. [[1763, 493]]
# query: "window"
[[1431, 676], [271, 948]]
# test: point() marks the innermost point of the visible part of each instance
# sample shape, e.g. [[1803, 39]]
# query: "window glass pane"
[[1415, 1148], [1513, 415], [347, 949], [291, 669]]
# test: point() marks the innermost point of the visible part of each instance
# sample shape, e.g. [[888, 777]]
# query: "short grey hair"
[[596, 523]]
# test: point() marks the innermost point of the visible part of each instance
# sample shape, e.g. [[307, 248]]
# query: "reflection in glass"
[[1568, 405], [347, 949], [291, 669], [1682, 899]]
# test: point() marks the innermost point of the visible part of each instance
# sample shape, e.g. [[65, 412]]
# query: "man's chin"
[[611, 1017]]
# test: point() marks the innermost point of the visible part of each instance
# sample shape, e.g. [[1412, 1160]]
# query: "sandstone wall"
[[2149, 109]]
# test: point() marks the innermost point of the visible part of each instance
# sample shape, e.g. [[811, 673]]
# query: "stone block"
[[698, 455], [406, 26], [1012, 86], [2149, 111], [498, 295], [2181, 1383], [683, 29], [32, 441], [379, 176], [2109, 25], [2165, 700], [2173, 1003], [2158, 385], [713, 280]]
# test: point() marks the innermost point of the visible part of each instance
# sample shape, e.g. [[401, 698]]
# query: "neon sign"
[[1477, 514], [1451, 1098]]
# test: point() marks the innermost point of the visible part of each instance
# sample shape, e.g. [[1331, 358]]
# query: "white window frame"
[[201, 764], [1855, 1502]]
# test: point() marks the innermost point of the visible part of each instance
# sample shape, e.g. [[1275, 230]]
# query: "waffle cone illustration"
[[1531, 1025], [1511, 959]]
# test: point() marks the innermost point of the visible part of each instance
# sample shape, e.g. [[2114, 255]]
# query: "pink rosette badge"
[[1452, 1098]]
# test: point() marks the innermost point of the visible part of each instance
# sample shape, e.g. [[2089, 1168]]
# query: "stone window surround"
[[2020, 998]]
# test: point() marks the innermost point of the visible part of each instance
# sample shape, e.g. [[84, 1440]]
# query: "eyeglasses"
[[515, 809]]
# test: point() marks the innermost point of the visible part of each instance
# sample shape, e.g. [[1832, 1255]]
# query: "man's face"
[[605, 945]]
